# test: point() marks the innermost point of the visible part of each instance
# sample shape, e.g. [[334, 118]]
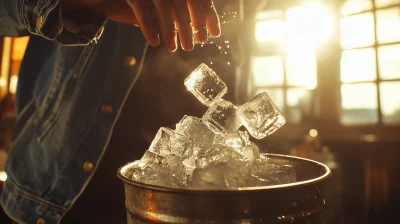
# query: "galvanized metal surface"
[[299, 202]]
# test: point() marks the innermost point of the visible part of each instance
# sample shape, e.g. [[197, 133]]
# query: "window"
[[370, 62], [329, 65], [286, 65]]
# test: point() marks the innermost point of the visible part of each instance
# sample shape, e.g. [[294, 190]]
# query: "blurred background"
[[332, 66]]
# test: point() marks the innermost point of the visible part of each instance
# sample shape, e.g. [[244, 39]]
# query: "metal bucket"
[[299, 202]]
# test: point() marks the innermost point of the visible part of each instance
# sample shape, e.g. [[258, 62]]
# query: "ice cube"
[[148, 169], [194, 129], [150, 158], [261, 116], [238, 177], [251, 151], [173, 172], [237, 140], [240, 141], [205, 85], [272, 174], [221, 166], [168, 142], [209, 177], [221, 154], [190, 162], [221, 117]]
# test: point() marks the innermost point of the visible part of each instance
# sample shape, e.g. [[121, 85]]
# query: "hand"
[[160, 18]]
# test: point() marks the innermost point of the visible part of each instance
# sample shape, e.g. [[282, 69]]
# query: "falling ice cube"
[[173, 172], [194, 129], [205, 85], [221, 117], [168, 142], [261, 116]]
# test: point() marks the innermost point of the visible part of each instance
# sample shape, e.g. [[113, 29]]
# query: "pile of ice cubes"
[[211, 152]]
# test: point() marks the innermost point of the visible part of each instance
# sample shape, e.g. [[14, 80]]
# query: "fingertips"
[[212, 20], [166, 20], [182, 22], [197, 11], [147, 20]]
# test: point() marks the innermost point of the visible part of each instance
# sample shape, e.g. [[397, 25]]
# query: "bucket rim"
[[321, 178]]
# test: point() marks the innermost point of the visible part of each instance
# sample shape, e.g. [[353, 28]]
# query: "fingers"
[[182, 18], [157, 17], [197, 11], [212, 20], [166, 21], [147, 20]]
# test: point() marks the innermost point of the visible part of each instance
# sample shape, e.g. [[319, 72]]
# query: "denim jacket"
[[68, 100]]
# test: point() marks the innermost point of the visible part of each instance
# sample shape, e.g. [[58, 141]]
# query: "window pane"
[[358, 65], [389, 61], [390, 102], [276, 95], [301, 70], [307, 27], [267, 71], [383, 3], [356, 6], [357, 31], [359, 103], [298, 104], [269, 30], [388, 25]]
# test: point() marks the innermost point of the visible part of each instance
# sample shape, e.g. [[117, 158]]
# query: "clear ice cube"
[[192, 128], [221, 154], [173, 172], [190, 162], [272, 174], [238, 177], [221, 117], [251, 151], [205, 85], [240, 141], [168, 142], [209, 177], [261, 116], [148, 169], [237, 140], [150, 158]]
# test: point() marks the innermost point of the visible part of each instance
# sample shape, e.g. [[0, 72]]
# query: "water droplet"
[[226, 52], [229, 63], [211, 62]]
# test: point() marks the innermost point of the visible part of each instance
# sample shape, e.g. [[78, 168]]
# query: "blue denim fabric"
[[61, 122]]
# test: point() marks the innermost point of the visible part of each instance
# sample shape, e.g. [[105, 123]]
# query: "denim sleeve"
[[47, 19]]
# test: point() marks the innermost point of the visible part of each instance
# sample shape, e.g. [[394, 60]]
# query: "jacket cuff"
[[73, 27]]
